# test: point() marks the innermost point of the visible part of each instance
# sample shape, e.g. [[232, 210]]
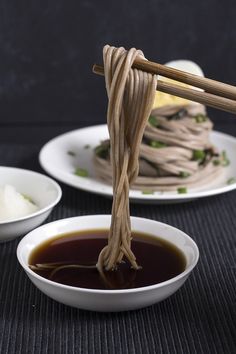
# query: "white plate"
[[56, 161]]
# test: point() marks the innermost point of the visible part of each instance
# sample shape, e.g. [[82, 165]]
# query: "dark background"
[[47, 51], [46, 88]]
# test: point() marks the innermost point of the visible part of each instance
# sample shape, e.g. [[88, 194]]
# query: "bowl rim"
[[113, 291], [41, 210]]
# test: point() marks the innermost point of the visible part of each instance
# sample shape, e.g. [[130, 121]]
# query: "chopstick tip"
[[98, 69]]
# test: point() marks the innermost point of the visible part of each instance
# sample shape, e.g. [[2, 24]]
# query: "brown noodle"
[[175, 151], [131, 94]]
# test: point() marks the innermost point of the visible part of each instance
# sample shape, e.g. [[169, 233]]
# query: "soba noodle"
[[131, 94], [175, 151], [171, 145]]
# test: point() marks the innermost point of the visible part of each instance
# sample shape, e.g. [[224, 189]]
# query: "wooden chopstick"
[[205, 98], [211, 86], [218, 95]]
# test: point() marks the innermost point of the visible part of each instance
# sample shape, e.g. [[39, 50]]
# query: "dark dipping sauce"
[[160, 260]]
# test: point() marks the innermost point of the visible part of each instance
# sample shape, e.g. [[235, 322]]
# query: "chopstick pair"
[[216, 94]]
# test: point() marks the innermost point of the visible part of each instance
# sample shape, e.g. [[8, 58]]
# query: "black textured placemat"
[[199, 318]]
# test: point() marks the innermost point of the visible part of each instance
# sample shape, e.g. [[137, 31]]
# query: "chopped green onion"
[[102, 151], [225, 161], [153, 121], [231, 180], [184, 174], [157, 144], [182, 190], [86, 146], [27, 198], [199, 154], [200, 118], [224, 154], [179, 115], [71, 153], [216, 162], [147, 191], [81, 172]]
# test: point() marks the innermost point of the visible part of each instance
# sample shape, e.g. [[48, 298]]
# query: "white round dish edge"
[[108, 300]]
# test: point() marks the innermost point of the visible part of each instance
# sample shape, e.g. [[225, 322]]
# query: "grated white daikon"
[[14, 205]]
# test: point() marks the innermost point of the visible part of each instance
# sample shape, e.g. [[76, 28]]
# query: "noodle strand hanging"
[[130, 94]]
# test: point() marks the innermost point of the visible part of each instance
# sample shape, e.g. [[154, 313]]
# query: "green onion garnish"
[[200, 118], [157, 144], [231, 180], [146, 191], [153, 121], [182, 190], [224, 154], [179, 115], [216, 162], [26, 197], [102, 151], [199, 154], [225, 161], [184, 174], [81, 172]]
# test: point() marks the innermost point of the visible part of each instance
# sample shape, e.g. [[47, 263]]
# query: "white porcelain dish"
[[107, 300], [44, 191], [56, 161]]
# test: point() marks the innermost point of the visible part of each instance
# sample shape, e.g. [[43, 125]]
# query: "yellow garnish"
[[163, 99]]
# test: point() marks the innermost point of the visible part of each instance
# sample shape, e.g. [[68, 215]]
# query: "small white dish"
[[44, 192], [56, 161], [107, 300]]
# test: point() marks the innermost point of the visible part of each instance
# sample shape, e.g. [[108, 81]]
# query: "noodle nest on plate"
[[175, 151]]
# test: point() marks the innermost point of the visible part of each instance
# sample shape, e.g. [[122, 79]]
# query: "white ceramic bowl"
[[45, 192], [107, 300]]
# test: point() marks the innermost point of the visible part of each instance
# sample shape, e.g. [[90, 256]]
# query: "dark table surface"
[[199, 318]]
